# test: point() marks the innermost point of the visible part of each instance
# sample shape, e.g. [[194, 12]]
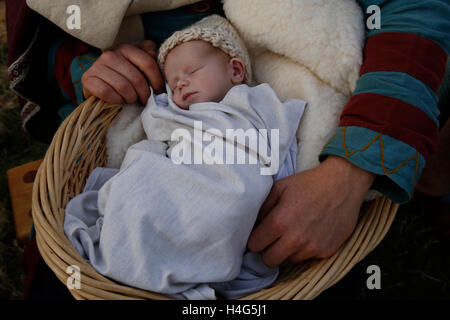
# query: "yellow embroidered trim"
[[80, 64], [84, 58], [378, 137]]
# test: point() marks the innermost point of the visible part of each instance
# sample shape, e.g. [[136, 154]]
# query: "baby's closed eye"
[[194, 70]]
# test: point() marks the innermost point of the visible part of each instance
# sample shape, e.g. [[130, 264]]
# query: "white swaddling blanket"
[[182, 229]]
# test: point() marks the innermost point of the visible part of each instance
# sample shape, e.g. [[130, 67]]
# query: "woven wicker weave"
[[78, 147]]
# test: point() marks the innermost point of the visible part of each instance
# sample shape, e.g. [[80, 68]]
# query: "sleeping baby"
[[176, 217]]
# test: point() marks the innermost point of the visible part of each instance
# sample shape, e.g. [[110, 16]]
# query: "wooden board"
[[20, 180]]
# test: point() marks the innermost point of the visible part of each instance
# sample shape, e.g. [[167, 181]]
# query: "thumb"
[[149, 47], [86, 93]]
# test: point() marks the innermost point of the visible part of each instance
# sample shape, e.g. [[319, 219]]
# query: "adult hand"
[[310, 214], [121, 75]]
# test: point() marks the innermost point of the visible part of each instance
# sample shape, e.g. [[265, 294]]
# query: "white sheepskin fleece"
[[307, 49], [124, 132]]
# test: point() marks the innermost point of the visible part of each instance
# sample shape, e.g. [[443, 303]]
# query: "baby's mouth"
[[188, 95]]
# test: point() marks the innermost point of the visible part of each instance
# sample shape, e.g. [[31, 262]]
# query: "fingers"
[[119, 75], [306, 219], [301, 255], [113, 80], [282, 250], [266, 232], [145, 62], [267, 229], [268, 204], [149, 47], [127, 70], [276, 240], [102, 90], [278, 236]]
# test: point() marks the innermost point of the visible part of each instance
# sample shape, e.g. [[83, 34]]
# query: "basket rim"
[[50, 192]]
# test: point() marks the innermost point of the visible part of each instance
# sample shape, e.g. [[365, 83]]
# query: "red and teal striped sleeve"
[[68, 58], [389, 126]]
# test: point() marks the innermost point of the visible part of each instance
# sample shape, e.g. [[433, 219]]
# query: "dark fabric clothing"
[[30, 38], [40, 282], [45, 64]]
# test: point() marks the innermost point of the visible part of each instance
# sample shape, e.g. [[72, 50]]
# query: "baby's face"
[[198, 72]]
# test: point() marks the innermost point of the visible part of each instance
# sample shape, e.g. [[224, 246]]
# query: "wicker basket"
[[78, 147]]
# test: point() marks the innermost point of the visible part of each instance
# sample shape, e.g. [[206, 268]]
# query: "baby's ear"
[[237, 70]]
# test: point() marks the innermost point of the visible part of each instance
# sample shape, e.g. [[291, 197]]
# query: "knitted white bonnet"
[[215, 30]]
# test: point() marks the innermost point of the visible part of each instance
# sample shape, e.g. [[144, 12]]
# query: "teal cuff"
[[396, 164]]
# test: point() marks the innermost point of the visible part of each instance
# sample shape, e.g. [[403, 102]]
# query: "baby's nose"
[[183, 82]]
